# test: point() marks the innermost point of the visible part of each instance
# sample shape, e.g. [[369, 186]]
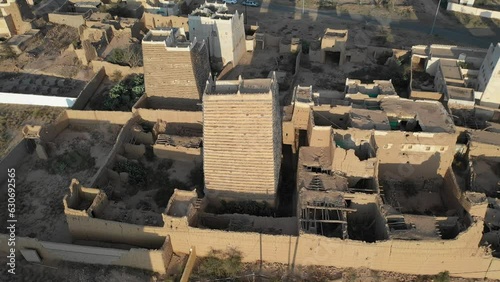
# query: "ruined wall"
[[95, 229], [94, 117], [301, 115], [153, 21], [101, 177], [427, 257], [15, 22], [110, 68], [12, 160], [87, 53], [177, 153], [170, 115], [89, 90], [7, 27], [70, 19], [201, 66], [152, 260]]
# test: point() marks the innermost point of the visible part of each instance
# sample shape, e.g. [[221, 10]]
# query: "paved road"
[[462, 36]]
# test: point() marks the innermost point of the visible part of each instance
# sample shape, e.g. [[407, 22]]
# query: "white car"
[[231, 1]]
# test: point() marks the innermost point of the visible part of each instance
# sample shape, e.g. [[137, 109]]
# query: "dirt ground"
[[139, 207], [41, 184], [47, 55], [14, 117]]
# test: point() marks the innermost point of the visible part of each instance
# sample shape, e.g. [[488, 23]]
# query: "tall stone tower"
[[242, 138], [175, 69]]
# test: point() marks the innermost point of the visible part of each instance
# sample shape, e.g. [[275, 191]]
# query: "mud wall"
[[110, 68], [154, 260], [98, 116], [89, 90], [152, 21], [74, 20], [101, 177], [12, 160], [96, 229], [170, 116], [415, 257], [177, 153]]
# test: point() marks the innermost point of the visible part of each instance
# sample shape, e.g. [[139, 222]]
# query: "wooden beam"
[[324, 220], [331, 208]]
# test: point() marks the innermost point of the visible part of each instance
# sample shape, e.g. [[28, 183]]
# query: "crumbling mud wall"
[[89, 90], [167, 115], [177, 153], [101, 177], [111, 68], [155, 260], [76, 116], [415, 257], [153, 21]]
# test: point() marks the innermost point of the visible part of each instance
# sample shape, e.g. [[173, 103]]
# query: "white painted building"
[[224, 32], [489, 78]]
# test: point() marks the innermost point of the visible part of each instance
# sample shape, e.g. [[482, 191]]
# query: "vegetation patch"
[[220, 264], [71, 161], [125, 94]]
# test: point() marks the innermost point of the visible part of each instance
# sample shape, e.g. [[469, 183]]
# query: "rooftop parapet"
[[241, 86], [171, 37], [212, 10]]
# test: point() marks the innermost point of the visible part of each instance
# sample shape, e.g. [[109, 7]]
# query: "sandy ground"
[[14, 117], [39, 194]]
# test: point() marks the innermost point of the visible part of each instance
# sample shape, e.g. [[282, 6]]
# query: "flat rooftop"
[[212, 10], [450, 69], [241, 86], [171, 37], [448, 51], [460, 93], [369, 119], [303, 94], [431, 115]]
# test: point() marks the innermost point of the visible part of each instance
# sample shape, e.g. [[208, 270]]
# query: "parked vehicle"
[[231, 1], [250, 3]]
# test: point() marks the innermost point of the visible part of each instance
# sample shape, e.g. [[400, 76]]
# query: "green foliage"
[[245, 207], [220, 264], [442, 277], [123, 95], [71, 161], [136, 172]]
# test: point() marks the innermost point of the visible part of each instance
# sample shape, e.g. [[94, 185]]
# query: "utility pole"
[[303, 6], [435, 16]]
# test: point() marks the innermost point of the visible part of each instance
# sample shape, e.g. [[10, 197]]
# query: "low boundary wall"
[[152, 260], [473, 11]]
